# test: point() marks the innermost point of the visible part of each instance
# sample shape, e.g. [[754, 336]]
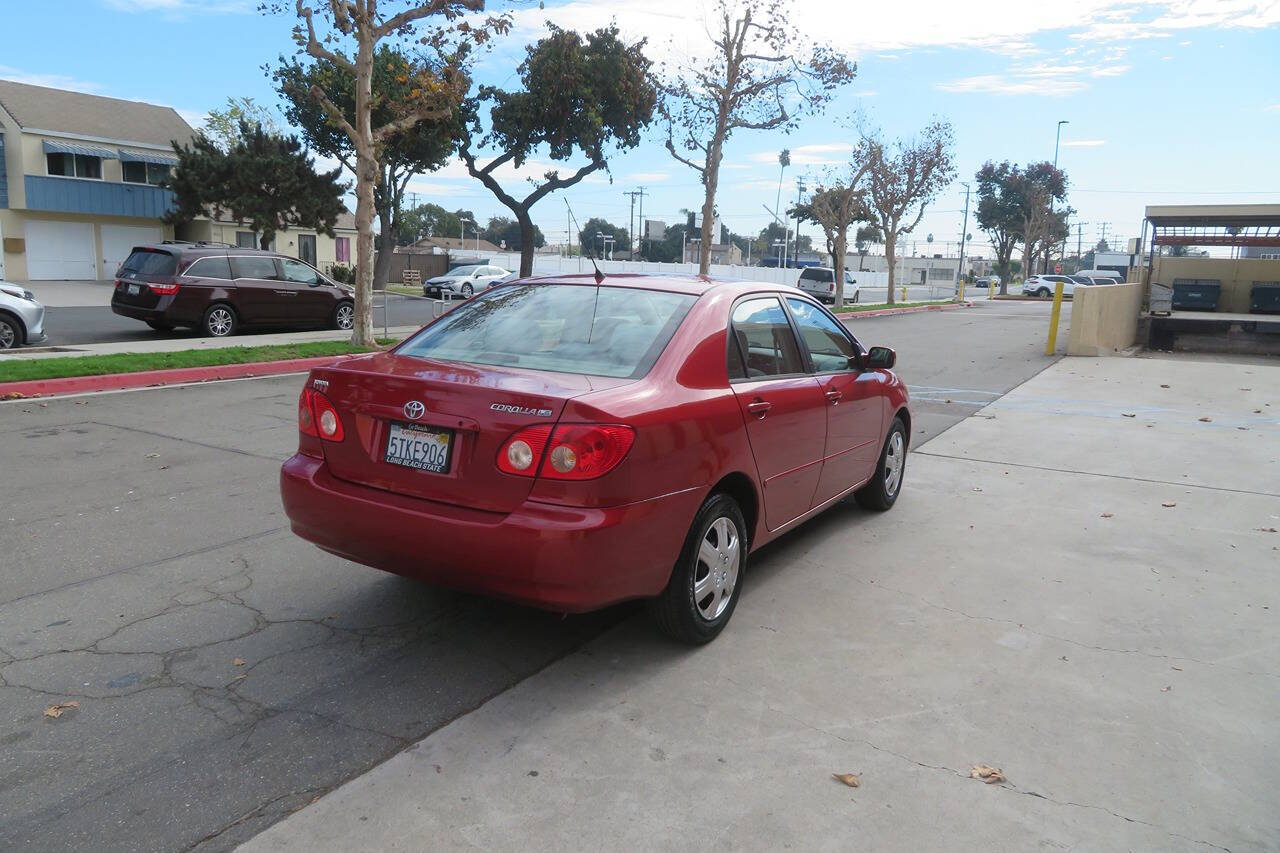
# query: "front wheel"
[[10, 334], [706, 581], [344, 316], [467, 290], [1043, 292], [882, 492]]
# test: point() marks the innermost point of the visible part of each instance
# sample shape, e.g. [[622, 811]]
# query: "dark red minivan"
[[218, 289]]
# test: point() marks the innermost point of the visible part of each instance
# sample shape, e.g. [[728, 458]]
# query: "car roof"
[[691, 284], [201, 249]]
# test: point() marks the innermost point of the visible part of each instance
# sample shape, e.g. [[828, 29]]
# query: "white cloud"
[[1109, 71], [1273, 108], [174, 7], [1083, 143], [649, 177], [868, 93], [997, 84], [53, 81], [817, 154]]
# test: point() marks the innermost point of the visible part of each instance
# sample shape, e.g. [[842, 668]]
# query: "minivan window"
[[254, 266], [148, 262], [764, 336], [213, 266], [563, 328], [298, 271]]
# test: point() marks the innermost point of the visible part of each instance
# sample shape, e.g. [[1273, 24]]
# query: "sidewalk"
[[1084, 599]]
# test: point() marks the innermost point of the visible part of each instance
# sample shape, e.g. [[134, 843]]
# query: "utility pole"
[[631, 235], [642, 226], [1103, 226], [964, 229], [1080, 241], [800, 188]]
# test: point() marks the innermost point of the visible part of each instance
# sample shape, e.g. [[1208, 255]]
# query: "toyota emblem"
[[414, 410]]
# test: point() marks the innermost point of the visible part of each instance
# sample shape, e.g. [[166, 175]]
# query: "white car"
[[464, 281], [1044, 285], [820, 283], [21, 317]]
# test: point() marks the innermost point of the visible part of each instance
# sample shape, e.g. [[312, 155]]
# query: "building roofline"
[[63, 134]]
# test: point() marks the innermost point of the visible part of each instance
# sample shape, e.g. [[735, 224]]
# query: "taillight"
[[521, 453], [831, 288], [586, 451], [119, 284], [163, 289], [318, 417]]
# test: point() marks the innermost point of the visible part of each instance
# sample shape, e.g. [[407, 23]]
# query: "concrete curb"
[[155, 378], [915, 309]]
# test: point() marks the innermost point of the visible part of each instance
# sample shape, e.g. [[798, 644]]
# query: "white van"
[[819, 282], [1117, 277]]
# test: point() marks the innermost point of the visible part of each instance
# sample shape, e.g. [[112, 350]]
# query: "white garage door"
[[60, 250], [118, 241]]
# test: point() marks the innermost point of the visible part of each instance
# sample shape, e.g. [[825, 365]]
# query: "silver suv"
[[21, 317], [820, 283]]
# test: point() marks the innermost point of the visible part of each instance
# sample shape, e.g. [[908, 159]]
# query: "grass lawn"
[[17, 370], [882, 306], [405, 289]]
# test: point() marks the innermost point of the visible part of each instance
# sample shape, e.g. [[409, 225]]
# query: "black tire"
[[344, 315], [882, 492], [219, 321], [1043, 292], [10, 333], [857, 295], [467, 291], [159, 325], [677, 610]]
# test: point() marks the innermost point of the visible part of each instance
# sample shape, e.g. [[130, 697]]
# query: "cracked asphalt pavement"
[[227, 673]]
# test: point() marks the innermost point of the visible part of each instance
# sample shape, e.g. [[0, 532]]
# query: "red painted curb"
[[153, 378], [915, 309]]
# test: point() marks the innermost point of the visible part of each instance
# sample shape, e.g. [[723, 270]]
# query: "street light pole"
[[1057, 140], [963, 231]]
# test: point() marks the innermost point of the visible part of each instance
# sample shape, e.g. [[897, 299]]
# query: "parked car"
[[570, 445], [219, 289], [1044, 285], [820, 283], [464, 281], [1115, 276], [986, 281], [21, 317]]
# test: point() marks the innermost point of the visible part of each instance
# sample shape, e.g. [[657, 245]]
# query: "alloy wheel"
[[716, 575], [8, 335], [894, 458], [467, 291], [220, 322], [346, 316]]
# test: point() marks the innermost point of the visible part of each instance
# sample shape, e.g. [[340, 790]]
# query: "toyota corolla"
[[575, 442]]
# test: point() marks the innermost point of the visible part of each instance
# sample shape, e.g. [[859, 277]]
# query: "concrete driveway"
[[1078, 586]]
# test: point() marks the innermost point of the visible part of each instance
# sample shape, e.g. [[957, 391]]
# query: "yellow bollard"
[[991, 292], [1053, 320], [961, 290], [904, 293]]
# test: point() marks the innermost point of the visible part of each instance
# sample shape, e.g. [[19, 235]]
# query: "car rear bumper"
[[566, 559]]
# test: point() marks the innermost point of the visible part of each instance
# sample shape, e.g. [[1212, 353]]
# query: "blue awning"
[[84, 150], [158, 157]]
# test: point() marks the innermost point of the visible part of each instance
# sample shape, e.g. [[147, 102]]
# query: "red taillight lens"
[[521, 452], [119, 284], [831, 288], [163, 289], [318, 417], [586, 451]]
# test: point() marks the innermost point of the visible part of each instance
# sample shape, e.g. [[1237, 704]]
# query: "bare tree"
[[835, 208], [749, 83], [1040, 186], [435, 92], [901, 183]]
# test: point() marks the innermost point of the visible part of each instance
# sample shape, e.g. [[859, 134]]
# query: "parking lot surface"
[[228, 673], [1083, 599]]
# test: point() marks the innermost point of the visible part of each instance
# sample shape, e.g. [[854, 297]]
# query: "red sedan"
[[571, 443]]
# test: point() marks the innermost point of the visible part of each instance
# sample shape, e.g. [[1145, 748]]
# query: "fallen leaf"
[[1064, 657], [1166, 688], [1169, 503], [990, 775], [238, 661], [1164, 386], [848, 778], [1205, 420], [153, 455], [1106, 515], [1128, 415], [1266, 530], [977, 488], [55, 711], [1178, 668]]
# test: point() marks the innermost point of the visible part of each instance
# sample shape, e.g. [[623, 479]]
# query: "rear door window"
[[145, 263], [254, 266], [564, 328], [762, 333], [214, 266]]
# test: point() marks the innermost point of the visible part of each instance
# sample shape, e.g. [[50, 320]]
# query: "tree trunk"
[[890, 246], [366, 180], [711, 180], [382, 268], [837, 266], [526, 242]]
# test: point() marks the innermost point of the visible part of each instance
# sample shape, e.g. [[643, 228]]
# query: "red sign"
[[1057, 268]]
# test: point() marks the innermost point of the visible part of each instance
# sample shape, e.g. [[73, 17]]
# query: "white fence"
[[555, 265]]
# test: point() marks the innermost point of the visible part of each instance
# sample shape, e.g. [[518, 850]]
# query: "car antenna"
[[599, 275], [591, 257]]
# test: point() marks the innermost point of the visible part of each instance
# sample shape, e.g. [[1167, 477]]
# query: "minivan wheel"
[[219, 321], [10, 334], [706, 581], [344, 316], [467, 290], [886, 484]]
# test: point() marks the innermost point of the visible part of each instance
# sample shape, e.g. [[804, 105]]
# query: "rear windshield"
[[468, 270], [564, 328], [144, 262]]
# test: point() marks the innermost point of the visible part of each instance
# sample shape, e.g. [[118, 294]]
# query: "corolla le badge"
[[520, 410], [414, 410]]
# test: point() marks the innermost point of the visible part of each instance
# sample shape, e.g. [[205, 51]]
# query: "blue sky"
[[1168, 102]]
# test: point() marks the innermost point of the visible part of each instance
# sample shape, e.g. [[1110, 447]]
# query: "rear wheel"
[[707, 579], [344, 316], [882, 492], [219, 321], [10, 333]]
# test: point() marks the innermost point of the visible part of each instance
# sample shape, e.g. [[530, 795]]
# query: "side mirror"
[[881, 358]]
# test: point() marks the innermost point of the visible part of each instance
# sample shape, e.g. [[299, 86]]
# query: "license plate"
[[425, 448], [134, 290]]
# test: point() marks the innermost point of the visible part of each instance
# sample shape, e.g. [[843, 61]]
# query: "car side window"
[[763, 335], [214, 266], [829, 346], [254, 266], [298, 272]]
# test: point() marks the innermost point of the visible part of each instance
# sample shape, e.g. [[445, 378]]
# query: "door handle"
[[759, 408], [833, 396]]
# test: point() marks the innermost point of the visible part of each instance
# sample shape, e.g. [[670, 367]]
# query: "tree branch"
[[408, 16], [313, 45], [407, 121], [671, 148], [559, 183], [335, 115]]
